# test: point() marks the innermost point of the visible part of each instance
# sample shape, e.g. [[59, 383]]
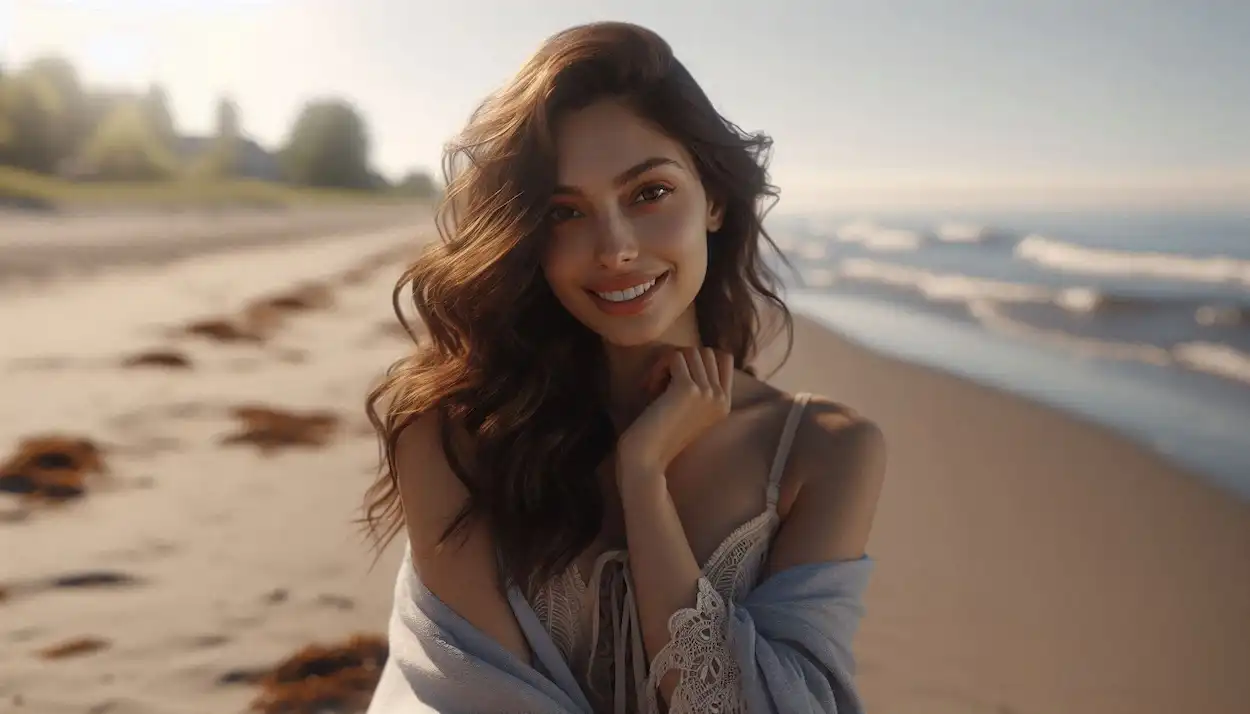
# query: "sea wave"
[[876, 237], [944, 287], [936, 286], [993, 317], [953, 232], [1212, 358], [1072, 258]]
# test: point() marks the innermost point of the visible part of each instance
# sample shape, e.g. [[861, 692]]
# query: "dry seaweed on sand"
[[52, 468], [171, 359], [221, 329], [76, 647], [270, 429], [261, 318], [321, 678], [311, 296]]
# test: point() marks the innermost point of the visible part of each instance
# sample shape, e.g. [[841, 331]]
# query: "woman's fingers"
[[711, 368], [659, 375], [725, 370], [698, 373], [679, 369]]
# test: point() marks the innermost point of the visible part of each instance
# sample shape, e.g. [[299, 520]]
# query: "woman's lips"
[[630, 306]]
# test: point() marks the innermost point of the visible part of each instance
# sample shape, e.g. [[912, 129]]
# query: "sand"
[[1027, 562], [39, 245], [234, 559]]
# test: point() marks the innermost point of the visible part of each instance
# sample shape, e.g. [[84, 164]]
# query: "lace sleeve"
[[698, 648]]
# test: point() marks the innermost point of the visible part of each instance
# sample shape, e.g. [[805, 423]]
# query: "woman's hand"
[[697, 396]]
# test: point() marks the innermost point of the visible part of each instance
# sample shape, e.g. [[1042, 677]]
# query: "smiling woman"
[[606, 510], [618, 239]]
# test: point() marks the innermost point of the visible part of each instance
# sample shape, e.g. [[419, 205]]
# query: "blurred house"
[[252, 161]]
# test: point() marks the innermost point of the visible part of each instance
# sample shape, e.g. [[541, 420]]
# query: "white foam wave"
[[1068, 257], [1222, 315], [961, 233], [1214, 358], [1208, 357], [954, 288], [878, 238], [992, 317], [943, 287]]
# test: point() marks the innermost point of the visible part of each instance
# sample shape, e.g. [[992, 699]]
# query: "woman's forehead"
[[598, 144]]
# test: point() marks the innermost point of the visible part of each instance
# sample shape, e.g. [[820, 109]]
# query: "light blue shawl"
[[791, 637]]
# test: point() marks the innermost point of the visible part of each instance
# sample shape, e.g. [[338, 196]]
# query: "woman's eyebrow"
[[628, 174]]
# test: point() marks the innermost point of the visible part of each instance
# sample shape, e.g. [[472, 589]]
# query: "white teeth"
[[628, 293]]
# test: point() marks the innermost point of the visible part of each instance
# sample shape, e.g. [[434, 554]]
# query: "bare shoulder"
[[833, 480], [462, 571], [835, 441], [429, 490]]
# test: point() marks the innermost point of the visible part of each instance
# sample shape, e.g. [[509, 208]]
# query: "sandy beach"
[[1028, 563], [38, 245]]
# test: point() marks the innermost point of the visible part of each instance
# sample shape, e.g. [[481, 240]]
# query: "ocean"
[[1139, 321]]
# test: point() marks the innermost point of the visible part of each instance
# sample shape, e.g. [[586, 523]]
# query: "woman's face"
[[629, 224]]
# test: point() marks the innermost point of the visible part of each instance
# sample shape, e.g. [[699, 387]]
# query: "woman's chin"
[[631, 333], [657, 327]]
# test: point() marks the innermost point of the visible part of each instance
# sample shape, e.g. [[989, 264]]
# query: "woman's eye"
[[653, 193], [560, 214]]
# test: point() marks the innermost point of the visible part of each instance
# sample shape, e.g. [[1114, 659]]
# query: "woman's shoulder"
[[835, 447], [832, 482], [824, 423]]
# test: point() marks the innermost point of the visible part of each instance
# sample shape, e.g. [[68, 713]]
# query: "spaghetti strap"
[[783, 448]]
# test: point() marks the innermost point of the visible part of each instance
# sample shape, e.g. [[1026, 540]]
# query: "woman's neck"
[[629, 368]]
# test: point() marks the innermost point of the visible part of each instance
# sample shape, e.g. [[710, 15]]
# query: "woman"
[[593, 483]]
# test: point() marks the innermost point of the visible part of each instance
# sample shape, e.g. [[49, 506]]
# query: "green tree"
[[126, 147], [31, 132], [418, 184], [71, 124], [7, 130], [328, 146]]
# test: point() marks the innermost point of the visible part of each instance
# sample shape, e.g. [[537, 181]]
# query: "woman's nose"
[[616, 244]]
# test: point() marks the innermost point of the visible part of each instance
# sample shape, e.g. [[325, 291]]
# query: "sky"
[[871, 103]]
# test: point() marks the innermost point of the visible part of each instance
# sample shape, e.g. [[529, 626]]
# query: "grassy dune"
[[26, 189]]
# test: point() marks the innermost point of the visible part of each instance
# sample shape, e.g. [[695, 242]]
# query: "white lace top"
[[609, 659]]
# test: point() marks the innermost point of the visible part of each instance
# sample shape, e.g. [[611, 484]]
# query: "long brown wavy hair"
[[515, 380]]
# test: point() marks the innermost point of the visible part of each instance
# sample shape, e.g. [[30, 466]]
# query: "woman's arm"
[[664, 569], [462, 572], [833, 478]]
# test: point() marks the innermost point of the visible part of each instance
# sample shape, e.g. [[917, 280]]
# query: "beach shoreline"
[[1190, 420], [1032, 561], [1027, 561]]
